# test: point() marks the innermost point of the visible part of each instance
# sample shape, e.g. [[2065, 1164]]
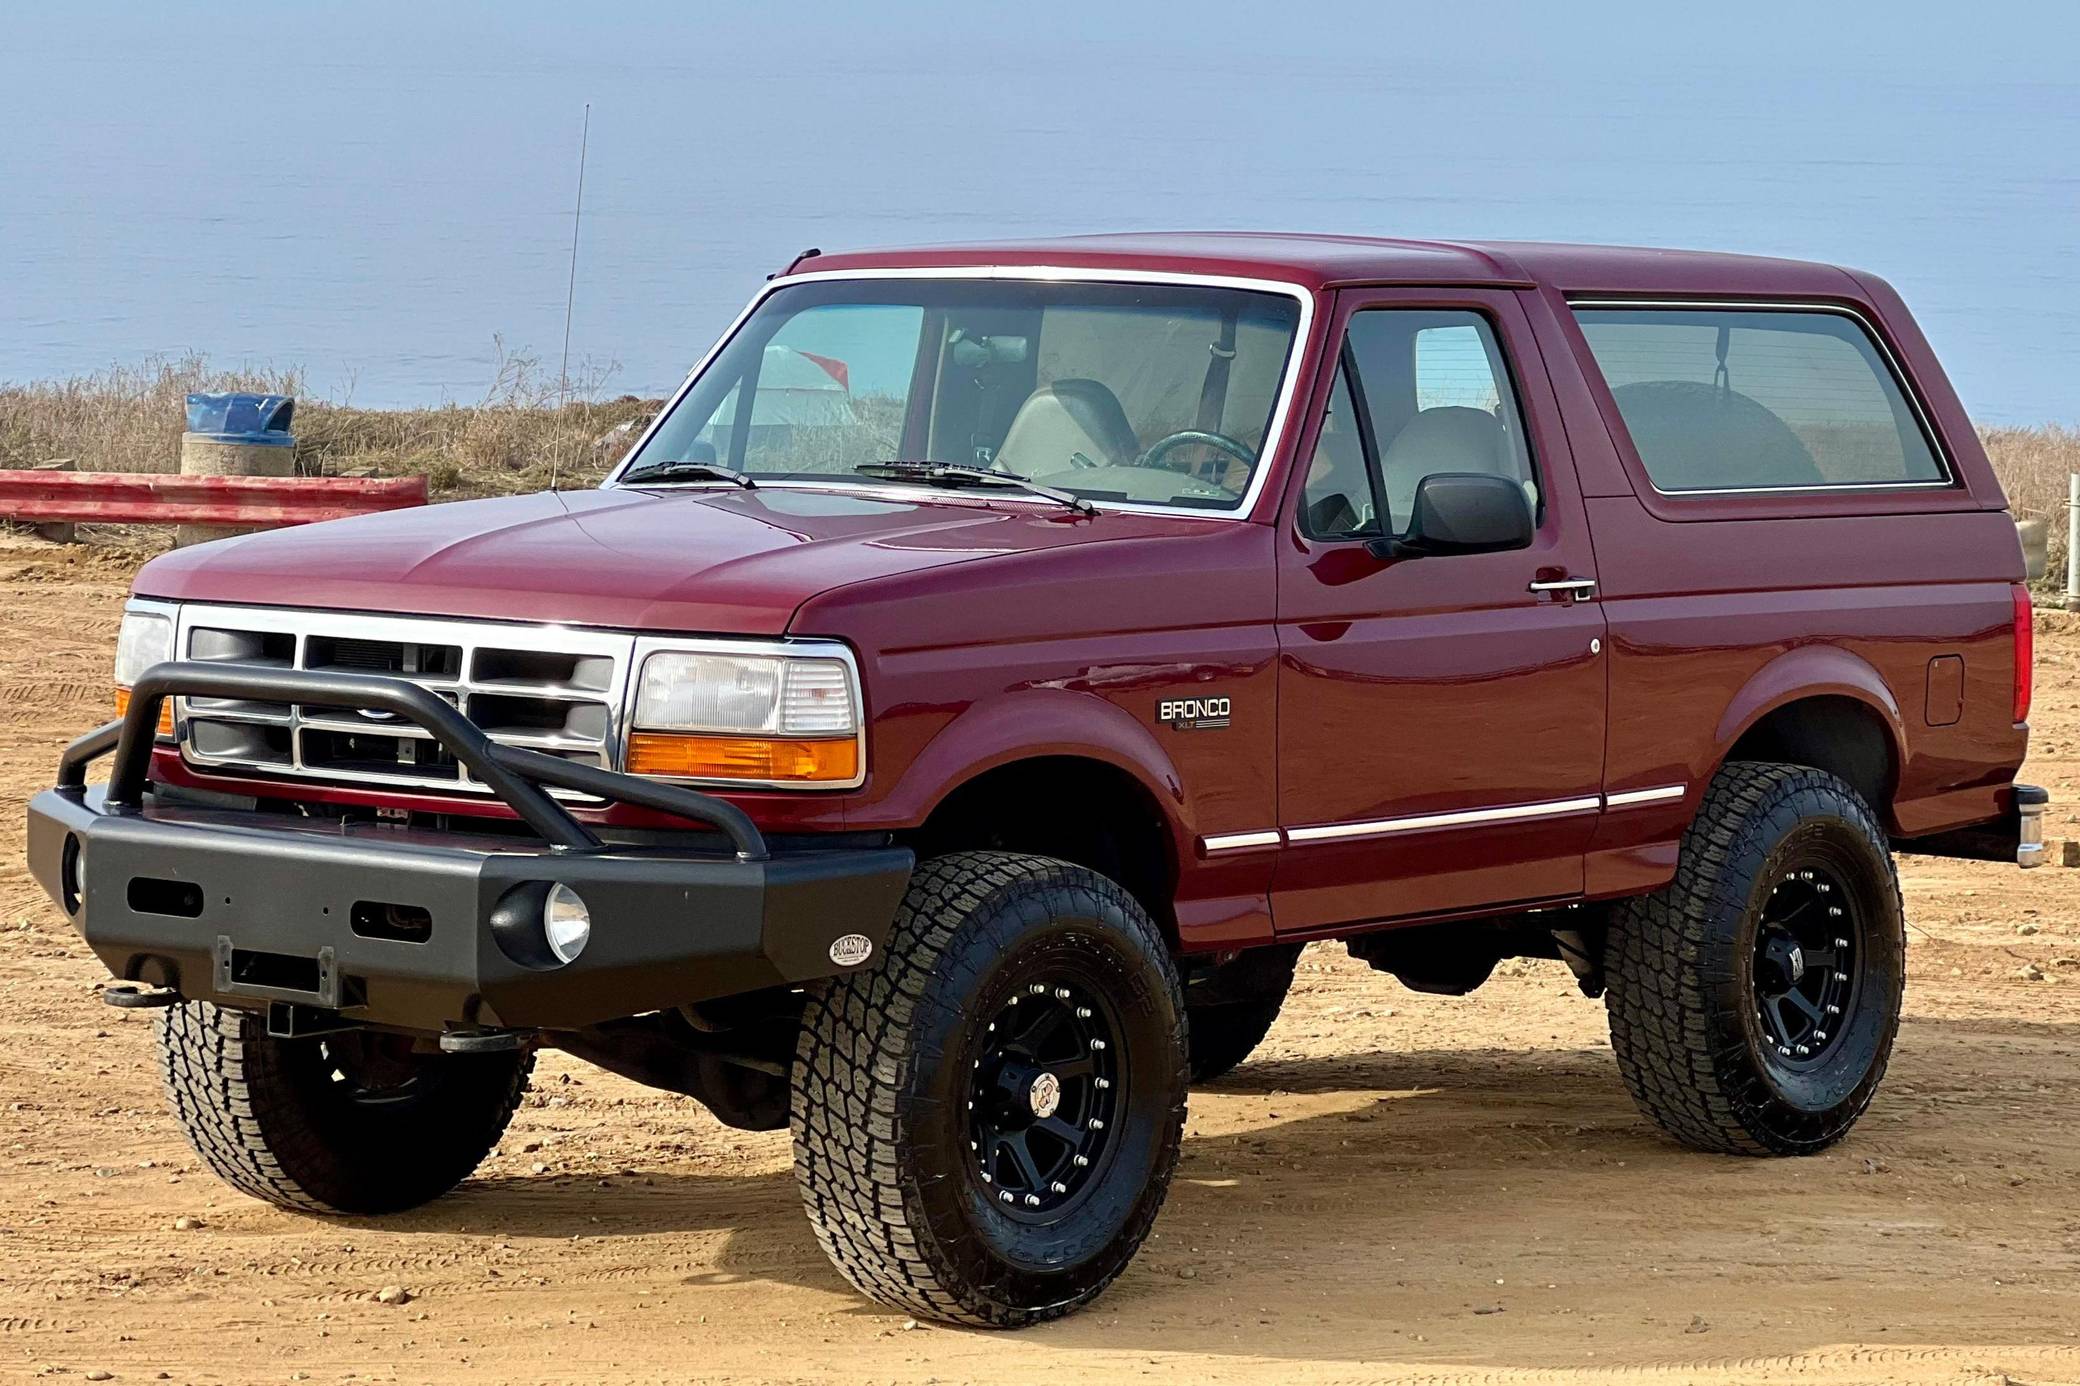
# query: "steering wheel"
[[1186, 437]]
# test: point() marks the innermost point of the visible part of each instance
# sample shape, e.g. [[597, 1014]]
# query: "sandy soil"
[[1397, 1187]]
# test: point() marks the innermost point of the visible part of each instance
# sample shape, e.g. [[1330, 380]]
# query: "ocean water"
[[383, 194]]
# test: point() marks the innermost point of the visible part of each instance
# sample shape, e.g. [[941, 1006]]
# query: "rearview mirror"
[[972, 352], [1462, 512]]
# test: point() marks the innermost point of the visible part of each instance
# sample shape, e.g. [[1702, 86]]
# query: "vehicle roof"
[[1325, 261]]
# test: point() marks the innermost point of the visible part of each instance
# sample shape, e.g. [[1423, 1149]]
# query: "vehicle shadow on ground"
[[1509, 1206]]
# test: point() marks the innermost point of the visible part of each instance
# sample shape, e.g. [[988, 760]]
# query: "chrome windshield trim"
[[1275, 435]]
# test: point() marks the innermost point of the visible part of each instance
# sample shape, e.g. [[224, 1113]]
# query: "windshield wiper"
[[961, 474], [691, 470]]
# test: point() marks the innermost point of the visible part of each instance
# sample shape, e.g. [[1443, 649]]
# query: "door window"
[[1419, 392]]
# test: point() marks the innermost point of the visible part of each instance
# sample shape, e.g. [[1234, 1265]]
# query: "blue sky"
[[376, 191]]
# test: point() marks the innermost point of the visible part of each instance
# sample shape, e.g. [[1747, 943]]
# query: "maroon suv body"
[[1443, 597]]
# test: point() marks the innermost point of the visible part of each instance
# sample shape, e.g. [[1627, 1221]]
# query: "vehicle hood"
[[737, 562]]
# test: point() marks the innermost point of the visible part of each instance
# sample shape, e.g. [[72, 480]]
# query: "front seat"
[[1450, 438], [1058, 421]]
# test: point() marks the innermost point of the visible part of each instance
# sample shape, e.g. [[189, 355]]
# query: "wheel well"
[[1083, 811], [1839, 735]]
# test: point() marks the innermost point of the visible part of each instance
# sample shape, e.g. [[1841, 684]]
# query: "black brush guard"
[[434, 931]]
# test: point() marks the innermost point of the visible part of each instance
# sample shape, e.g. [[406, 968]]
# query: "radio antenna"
[[570, 298]]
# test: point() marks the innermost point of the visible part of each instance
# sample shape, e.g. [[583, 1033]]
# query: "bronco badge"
[[1193, 714]]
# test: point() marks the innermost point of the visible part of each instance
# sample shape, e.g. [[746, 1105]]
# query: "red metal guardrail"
[[261, 502]]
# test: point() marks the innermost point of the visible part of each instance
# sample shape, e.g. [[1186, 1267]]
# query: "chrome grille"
[[548, 688]]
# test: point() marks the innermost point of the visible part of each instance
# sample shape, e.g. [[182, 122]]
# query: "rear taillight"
[[2025, 651]]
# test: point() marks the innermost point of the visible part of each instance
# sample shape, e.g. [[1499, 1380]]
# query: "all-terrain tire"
[[343, 1124], [1229, 1013], [1701, 971], [889, 1143]]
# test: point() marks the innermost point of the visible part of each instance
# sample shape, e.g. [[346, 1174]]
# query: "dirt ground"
[[1397, 1187]]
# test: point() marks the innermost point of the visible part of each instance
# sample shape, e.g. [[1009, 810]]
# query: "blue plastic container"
[[256, 420]]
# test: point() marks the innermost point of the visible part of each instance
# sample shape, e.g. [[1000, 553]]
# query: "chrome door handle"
[[1581, 589]]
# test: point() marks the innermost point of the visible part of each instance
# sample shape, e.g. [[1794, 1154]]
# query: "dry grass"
[[517, 438], [124, 419], [2033, 464]]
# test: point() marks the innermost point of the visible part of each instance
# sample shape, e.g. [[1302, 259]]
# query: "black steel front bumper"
[[377, 924]]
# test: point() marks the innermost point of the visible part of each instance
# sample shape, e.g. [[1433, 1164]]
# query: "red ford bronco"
[[943, 730]]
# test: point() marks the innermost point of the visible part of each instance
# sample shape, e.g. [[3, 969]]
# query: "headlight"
[[772, 718], [145, 639]]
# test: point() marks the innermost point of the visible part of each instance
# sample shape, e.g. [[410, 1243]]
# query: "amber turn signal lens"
[[742, 758], [165, 710]]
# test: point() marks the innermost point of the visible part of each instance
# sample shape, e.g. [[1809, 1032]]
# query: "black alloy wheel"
[[1808, 952], [1041, 1103]]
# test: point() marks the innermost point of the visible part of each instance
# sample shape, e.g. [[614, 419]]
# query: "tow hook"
[[488, 1041], [136, 996]]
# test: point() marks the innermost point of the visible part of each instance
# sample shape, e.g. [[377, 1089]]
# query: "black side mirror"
[[1462, 512]]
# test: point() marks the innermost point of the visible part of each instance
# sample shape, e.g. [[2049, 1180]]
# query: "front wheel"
[[1230, 1009], [1754, 999], [355, 1122], [986, 1120]]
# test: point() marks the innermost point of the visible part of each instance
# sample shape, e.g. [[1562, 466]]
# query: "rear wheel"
[[1754, 999], [986, 1121], [356, 1122]]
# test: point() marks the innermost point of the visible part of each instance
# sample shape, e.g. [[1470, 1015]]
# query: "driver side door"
[[1440, 718]]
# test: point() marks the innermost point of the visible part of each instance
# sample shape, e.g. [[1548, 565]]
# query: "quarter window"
[[1757, 399]]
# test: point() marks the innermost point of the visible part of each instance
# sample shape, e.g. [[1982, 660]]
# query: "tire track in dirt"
[[1349, 1198], [1840, 1366], [56, 695], [35, 623]]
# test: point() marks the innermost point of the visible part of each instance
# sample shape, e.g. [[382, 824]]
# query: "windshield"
[[1147, 394]]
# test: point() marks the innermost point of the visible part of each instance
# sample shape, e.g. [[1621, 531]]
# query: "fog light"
[[566, 923], [72, 873]]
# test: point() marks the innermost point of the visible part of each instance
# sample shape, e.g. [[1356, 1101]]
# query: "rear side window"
[[1757, 399]]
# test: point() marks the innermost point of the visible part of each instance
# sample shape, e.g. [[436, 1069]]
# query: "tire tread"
[[854, 1060], [239, 1107], [1660, 1010]]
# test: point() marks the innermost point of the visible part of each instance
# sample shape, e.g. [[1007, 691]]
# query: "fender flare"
[[1803, 672], [1031, 723]]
